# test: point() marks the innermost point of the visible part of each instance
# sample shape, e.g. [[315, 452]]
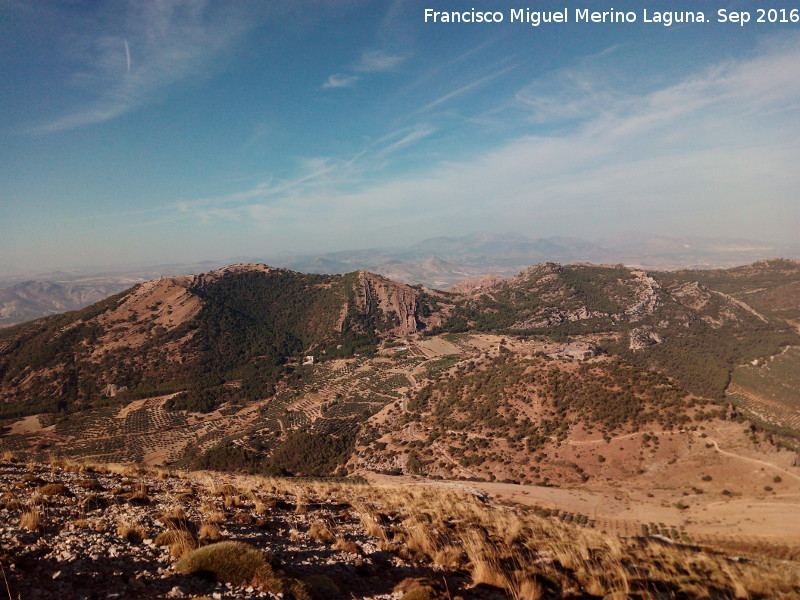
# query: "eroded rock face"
[[397, 301], [647, 298], [554, 318], [642, 337], [477, 285]]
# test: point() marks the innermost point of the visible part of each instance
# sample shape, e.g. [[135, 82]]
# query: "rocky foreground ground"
[[82, 531]]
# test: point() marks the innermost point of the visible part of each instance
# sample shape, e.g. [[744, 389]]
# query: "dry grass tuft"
[[175, 518], [370, 521], [179, 541], [133, 533], [90, 484], [209, 531], [245, 518], [240, 564], [31, 519], [348, 546], [234, 501], [137, 496], [32, 480], [321, 532], [9, 457], [54, 489], [94, 501], [420, 589], [449, 557], [225, 489], [12, 505]]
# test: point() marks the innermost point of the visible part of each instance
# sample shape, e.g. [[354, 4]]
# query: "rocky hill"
[[682, 323], [236, 325], [264, 369]]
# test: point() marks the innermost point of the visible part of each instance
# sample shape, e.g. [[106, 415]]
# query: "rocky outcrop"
[[477, 285], [647, 297], [559, 317], [397, 302], [642, 337]]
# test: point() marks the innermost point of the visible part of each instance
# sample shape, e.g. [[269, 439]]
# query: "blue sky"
[[181, 130]]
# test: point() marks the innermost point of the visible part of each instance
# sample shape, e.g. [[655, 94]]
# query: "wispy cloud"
[[137, 53], [571, 94], [338, 80], [715, 152], [373, 61], [317, 174], [463, 89], [408, 138]]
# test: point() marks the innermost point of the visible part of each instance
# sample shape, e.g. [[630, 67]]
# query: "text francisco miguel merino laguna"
[[577, 15]]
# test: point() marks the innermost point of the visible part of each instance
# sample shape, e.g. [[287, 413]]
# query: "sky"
[[162, 131]]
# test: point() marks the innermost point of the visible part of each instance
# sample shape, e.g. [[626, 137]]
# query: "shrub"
[[228, 562], [89, 484], [54, 489], [32, 479], [240, 564]]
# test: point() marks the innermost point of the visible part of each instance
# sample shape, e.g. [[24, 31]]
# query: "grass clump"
[[33, 480], [227, 562], [133, 534], [349, 546], [31, 519], [54, 489], [90, 484], [138, 496], [180, 541], [210, 531], [240, 564], [321, 532], [419, 589]]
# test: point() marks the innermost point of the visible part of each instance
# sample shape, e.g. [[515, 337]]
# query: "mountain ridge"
[[436, 263]]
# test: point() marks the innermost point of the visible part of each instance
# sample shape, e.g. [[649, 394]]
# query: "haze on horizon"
[[195, 130]]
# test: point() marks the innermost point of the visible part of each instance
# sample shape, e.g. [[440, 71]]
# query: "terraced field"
[[770, 390], [331, 398]]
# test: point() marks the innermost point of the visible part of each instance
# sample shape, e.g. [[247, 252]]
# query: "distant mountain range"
[[31, 299], [443, 261], [436, 263]]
